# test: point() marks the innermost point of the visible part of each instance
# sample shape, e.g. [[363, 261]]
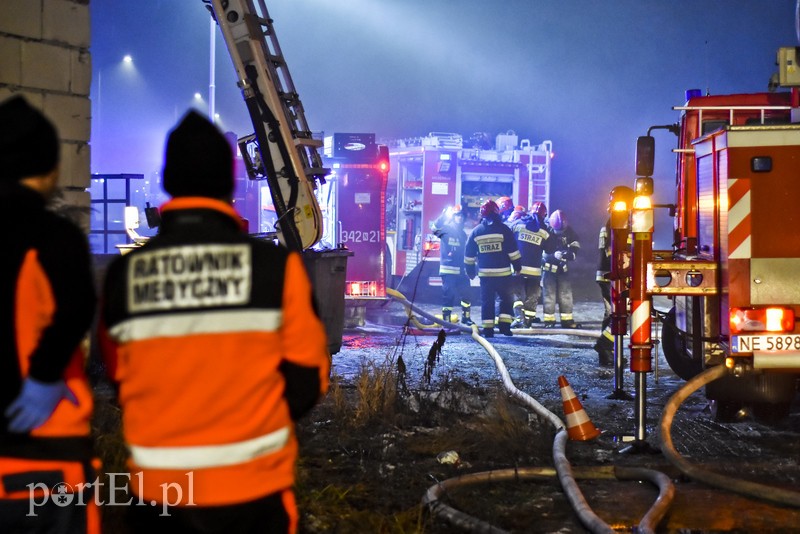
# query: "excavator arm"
[[283, 152]]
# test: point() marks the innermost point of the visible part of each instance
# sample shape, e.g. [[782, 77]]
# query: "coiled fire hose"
[[742, 487]]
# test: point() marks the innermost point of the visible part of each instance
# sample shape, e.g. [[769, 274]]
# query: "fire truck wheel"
[[771, 412], [674, 342], [727, 411]]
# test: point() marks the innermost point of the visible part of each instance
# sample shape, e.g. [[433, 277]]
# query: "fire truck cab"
[[732, 273], [432, 173]]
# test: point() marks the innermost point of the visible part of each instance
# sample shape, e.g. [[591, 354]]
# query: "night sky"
[[589, 75]]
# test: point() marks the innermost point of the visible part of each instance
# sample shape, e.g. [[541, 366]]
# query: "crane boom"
[[287, 155]]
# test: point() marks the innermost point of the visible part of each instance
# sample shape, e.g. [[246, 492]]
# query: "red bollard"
[[641, 344]]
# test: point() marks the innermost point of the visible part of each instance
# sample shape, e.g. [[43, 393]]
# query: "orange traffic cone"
[[579, 426]]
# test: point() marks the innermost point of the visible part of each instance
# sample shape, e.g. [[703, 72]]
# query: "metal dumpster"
[[327, 270]]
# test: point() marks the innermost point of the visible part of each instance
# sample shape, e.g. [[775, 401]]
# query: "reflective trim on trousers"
[[505, 319]]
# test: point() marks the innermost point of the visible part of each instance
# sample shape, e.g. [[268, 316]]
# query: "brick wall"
[[44, 55]]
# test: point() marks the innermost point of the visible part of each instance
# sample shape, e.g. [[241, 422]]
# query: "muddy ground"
[[382, 437], [399, 419]]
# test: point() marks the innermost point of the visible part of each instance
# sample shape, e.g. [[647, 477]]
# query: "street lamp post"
[[97, 117], [211, 71]]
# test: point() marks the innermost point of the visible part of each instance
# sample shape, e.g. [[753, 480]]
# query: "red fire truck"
[[353, 202], [733, 274], [432, 173]]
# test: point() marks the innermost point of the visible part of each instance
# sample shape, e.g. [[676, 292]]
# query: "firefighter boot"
[[488, 332], [445, 317], [570, 324], [505, 329], [605, 351], [519, 320], [465, 317], [605, 358]]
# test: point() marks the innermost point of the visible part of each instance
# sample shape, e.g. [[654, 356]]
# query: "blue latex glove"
[[36, 403]]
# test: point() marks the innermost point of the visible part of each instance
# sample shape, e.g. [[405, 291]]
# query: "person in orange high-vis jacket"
[[217, 349], [47, 302]]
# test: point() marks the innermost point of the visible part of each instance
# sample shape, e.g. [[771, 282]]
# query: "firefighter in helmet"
[[517, 283], [449, 228], [539, 212], [517, 214], [605, 343], [506, 207], [561, 249], [491, 253], [531, 236]]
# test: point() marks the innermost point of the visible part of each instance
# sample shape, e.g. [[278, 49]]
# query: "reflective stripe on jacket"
[[452, 239], [217, 349], [492, 247], [530, 240], [567, 243]]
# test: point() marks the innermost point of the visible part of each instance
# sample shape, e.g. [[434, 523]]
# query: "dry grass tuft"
[[375, 391]]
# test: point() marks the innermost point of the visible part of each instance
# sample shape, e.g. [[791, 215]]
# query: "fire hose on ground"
[[563, 470], [410, 307], [742, 487]]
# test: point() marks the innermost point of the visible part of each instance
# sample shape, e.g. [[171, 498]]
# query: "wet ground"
[[455, 402]]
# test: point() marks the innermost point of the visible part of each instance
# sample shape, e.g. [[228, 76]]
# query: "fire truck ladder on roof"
[[288, 152]]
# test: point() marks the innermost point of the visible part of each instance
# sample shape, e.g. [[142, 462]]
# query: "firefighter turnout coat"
[[565, 242], [453, 239], [214, 341], [604, 256], [531, 237], [491, 247]]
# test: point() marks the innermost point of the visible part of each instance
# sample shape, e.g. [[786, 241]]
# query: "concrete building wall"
[[44, 55]]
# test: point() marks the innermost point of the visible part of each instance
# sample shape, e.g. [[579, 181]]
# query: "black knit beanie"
[[198, 160], [29, 143]]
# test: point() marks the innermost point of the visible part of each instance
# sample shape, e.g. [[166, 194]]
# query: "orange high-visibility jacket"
[[47, 302], [217, 349]]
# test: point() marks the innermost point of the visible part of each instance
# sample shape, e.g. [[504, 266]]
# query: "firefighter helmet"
[[557, 221], [540, 210], [505, 205], [489, 208], [518, 212]]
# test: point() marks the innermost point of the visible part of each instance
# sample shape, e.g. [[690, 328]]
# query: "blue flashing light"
[[693, 93]]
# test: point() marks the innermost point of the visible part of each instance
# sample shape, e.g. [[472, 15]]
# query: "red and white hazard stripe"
[[739, 226], [640, 322]]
